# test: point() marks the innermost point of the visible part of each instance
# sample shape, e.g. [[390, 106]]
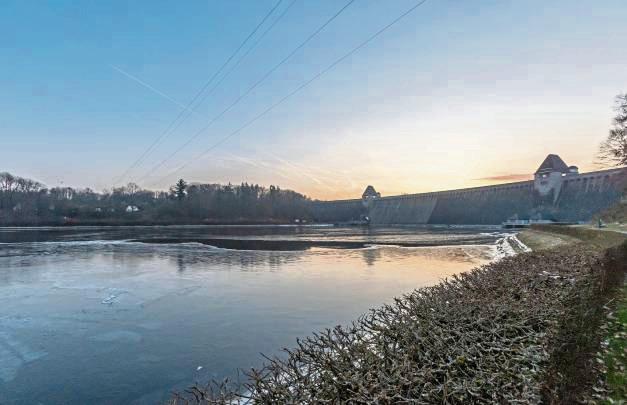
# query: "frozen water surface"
[[104, 316]]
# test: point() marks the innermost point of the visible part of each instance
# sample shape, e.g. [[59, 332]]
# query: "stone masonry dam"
[[557, 193]]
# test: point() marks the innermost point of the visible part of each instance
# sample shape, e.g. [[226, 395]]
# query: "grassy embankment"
[[525, 329], [543, 237], [614, 217], [614, 355], [612, 359]]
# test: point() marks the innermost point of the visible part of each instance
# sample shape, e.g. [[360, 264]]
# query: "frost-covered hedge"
[[513, 331]]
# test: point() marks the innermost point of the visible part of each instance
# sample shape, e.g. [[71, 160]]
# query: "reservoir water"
[[128, 315]]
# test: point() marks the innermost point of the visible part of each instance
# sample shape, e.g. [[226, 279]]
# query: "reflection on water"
[[89, 317], [371, 255]]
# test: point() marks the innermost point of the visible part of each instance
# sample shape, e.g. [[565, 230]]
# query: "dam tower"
[[369, 195], [550, 176]]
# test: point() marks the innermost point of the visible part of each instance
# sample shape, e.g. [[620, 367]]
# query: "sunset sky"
[[457, 93]]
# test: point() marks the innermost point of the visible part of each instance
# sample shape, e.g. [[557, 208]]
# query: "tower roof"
[[370, 192], [552, 163]]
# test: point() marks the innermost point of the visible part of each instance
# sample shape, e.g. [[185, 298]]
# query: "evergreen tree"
[[179, 189]]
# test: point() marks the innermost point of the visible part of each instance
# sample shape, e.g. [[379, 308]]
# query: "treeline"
[[27, 202]]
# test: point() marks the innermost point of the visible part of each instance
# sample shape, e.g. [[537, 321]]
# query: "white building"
[[132, 208]]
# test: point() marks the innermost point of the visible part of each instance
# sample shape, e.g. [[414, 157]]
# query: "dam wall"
[[582, 196], [472, 206], [405, 209], [338, 211], [573, 197]]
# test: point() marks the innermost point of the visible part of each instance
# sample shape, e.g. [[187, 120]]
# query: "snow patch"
[[113, 296], [504, 247]]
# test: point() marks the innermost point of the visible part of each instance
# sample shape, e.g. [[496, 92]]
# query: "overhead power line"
[[181, 116], [259, 39], [246, 93], [295, 91], [237, 63]]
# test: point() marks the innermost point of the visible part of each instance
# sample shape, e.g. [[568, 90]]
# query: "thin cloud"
[[506, 177]]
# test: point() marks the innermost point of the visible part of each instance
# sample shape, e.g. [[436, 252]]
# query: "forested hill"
[[27, 202]]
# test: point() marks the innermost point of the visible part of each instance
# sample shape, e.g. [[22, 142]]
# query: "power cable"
[[298, 89], [247, 92], [198, 94]]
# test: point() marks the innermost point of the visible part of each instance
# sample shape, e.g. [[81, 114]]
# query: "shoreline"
[[522, 328], [497, 244], [61, 224]]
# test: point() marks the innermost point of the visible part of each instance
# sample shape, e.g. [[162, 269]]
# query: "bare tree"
[[27, 185], [613, 151], [7, 182], [132, 189]]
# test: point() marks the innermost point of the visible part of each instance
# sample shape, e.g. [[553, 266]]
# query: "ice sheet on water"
[[114, 294], [13, 355], [9, 364], [119, 336]]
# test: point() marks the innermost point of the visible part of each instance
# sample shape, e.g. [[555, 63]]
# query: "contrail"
[[260, 165], [296, 168], [230, 157], [149, 87], [306, 170]]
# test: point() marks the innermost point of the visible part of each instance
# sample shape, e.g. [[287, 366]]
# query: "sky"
[[455, 94]]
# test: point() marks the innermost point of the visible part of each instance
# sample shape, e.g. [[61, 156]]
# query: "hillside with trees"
[[27, 202]]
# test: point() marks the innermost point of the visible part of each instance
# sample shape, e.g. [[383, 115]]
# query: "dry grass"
[[600, 239], [538, 240]]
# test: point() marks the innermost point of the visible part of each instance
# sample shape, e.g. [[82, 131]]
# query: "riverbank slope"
[[523, 329], [611, 357]]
